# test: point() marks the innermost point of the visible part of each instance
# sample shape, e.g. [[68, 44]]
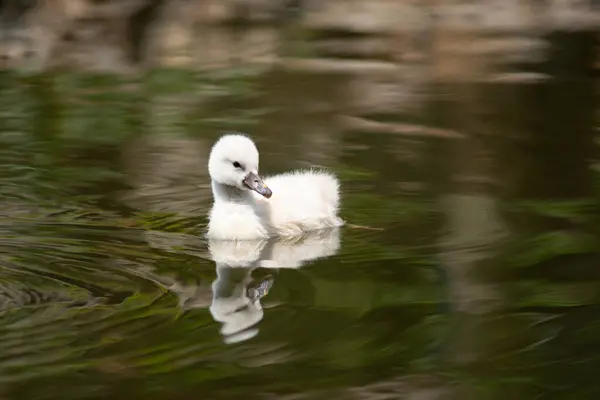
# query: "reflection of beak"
[[253, 182]]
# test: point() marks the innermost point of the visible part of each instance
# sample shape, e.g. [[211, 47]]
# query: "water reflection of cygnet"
[[237, 295]]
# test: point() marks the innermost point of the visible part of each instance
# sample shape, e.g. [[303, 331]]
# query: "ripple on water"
[[81, 297], [68, 292]]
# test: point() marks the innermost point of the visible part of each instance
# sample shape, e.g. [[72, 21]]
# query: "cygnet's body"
[[246, 207]]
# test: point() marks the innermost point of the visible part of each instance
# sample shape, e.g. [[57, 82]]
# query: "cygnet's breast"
[[236, 221]]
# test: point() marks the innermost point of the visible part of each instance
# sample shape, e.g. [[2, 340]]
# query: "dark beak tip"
[[253, 182]]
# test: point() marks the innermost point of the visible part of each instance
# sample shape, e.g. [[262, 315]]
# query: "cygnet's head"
[[234, 162]]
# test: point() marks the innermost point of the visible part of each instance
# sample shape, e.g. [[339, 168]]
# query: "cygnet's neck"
[[229, 194]]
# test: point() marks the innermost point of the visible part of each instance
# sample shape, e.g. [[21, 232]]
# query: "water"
[[468, 268]]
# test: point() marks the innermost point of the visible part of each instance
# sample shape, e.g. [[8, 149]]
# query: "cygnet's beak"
[[253, 182]]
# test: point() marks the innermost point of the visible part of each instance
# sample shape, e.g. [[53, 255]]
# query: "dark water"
[[470, 268]]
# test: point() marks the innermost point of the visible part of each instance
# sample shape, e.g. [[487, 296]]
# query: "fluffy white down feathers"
[[248, 207]]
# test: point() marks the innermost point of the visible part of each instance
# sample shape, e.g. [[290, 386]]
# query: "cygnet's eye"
[[237, 165]]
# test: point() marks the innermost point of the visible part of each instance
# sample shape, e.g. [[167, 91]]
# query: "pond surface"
[[469, 267]]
